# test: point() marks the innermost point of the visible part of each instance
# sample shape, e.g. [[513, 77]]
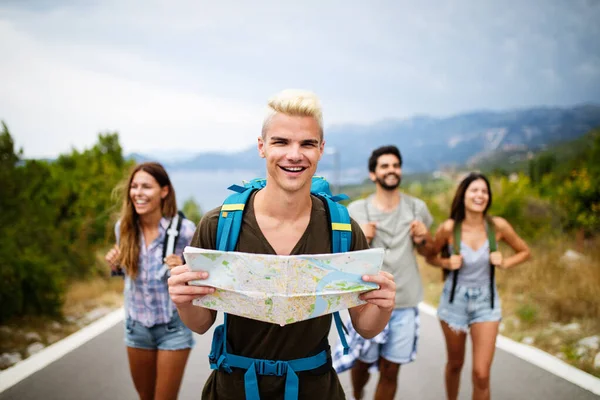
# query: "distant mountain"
[[140, 158], [429, 143]]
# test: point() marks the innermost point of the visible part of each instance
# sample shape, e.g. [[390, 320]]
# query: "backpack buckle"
[[270, 367]]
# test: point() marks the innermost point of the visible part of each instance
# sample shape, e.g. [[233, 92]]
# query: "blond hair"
[[294, 102]]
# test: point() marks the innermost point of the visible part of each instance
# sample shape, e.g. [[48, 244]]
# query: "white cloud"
[[589, 69], [194, 75], [51, 100]]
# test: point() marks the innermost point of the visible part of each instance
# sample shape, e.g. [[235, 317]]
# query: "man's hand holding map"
[[283, 289]]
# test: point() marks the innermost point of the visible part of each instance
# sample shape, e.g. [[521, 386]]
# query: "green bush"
[[527, 313], [11, 294], [574, 184], [55, 215], [192, 210], [42, 284], [519, 202]]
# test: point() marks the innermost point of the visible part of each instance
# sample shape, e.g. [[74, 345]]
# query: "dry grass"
[[565, 291], [541, 297], [100, 293], [87, 295], [432, 282]]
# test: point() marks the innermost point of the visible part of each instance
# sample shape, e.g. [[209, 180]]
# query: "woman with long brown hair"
[[470, 301], [158, 343]]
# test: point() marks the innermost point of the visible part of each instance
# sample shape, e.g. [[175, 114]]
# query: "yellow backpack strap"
[[230, 220]]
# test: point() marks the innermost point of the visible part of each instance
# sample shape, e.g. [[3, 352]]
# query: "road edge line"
[[21, 370], [36, 362], [539, 358]]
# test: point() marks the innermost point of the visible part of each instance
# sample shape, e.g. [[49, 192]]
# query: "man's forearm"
[[369, 320], [198, 319], [427, 246]]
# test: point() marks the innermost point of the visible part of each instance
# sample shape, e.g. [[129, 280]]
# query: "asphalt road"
[[98, 370]]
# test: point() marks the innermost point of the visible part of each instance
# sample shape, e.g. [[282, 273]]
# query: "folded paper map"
[[283, 289]]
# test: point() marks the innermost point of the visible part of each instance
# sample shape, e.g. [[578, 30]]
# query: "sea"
[[209, 188]]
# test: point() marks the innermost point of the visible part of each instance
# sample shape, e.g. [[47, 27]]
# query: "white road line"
[[537, 357], [23, 369], [540, 359]]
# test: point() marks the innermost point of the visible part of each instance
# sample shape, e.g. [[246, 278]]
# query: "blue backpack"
[[228, 230]]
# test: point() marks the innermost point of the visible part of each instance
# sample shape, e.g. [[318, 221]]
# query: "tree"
[[53, 218], [192, 210], [541, 166], [579, 195]]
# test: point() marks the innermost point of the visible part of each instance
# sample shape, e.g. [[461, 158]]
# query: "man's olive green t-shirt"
[[257, 339]]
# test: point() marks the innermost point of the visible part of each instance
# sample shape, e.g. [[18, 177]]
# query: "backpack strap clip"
[[270, 367]]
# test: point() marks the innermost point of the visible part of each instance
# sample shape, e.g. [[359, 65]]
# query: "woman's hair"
[[457, 211], [300, 103], [129, 240]]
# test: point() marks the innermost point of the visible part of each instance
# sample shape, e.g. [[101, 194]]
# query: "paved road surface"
[[98, 370]]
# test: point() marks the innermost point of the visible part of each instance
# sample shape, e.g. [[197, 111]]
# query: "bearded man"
[[400, 224]]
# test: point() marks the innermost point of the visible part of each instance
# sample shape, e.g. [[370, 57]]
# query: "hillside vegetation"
[[55, 217]]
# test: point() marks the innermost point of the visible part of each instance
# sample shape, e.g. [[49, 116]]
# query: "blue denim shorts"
[[173, 335], [401, 344], [470, 305]]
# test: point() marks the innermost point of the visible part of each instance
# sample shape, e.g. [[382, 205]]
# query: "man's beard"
[[385, 186]]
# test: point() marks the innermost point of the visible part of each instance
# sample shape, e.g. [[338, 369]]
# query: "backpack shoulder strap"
[[170, 242], [457, 233], [172, 234], [230, 220], [341, 240], [341, 229], [413, 204], [491, 234]]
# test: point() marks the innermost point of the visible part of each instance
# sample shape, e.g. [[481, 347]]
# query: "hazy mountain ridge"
[[428, 143]]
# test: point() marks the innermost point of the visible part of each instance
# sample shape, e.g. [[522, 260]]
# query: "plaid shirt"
[[358, 345], [147, 299]]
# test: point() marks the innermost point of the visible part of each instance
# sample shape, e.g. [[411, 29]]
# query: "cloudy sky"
[[194, 75]]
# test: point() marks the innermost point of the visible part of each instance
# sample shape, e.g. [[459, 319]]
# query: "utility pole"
[[336, 168]]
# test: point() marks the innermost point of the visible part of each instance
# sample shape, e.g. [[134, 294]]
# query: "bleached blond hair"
[[294, 102]]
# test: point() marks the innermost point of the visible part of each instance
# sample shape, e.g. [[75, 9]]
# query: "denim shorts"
[[401, 344], [173, 335], [470, 305]]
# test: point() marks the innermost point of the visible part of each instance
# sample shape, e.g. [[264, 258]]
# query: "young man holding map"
[[282, 219]]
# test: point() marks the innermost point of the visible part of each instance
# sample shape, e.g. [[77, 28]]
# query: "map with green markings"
[[283, 289]]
